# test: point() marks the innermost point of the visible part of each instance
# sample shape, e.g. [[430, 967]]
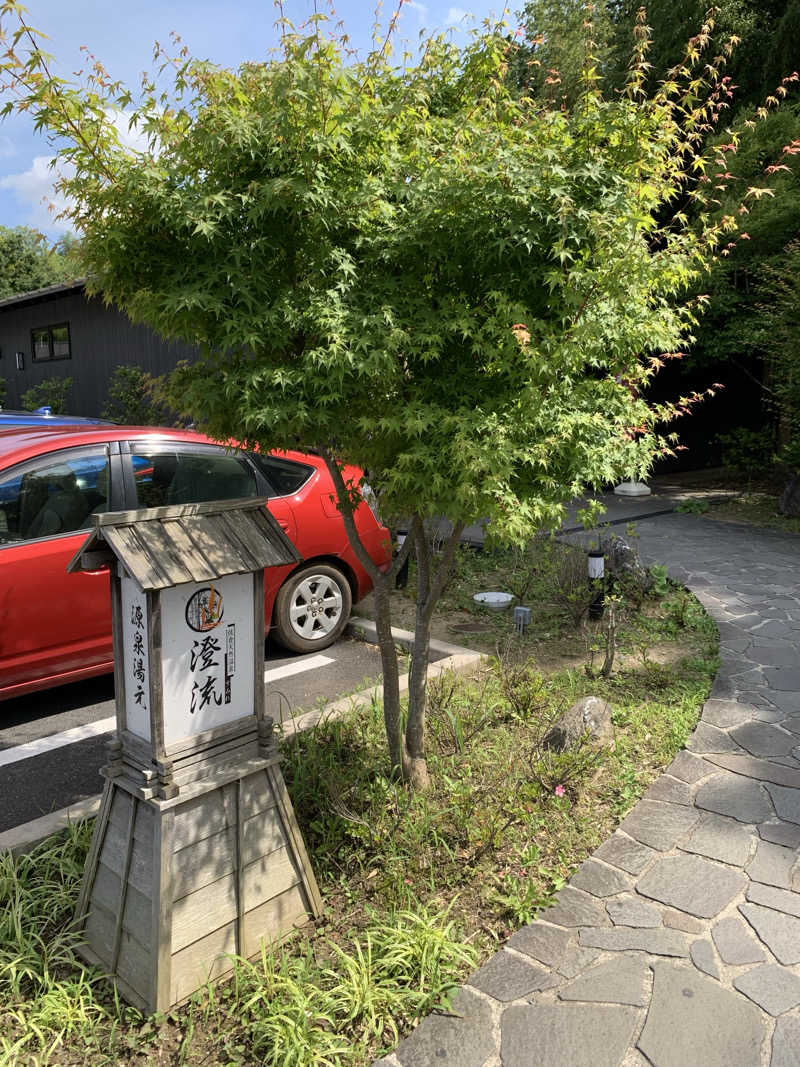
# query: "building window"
[[51, 342]]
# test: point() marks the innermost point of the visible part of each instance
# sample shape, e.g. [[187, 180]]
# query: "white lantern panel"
[[135, 659], [207, 635]]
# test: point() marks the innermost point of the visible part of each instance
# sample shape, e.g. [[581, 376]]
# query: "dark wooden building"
[[62, 332]]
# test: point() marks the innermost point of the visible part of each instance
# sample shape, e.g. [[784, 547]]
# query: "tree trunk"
[[391, 676]]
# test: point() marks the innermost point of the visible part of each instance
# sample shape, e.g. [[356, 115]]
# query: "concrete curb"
[[28, 835]]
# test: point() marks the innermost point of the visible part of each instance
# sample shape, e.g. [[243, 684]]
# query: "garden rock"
[[590, 715], [623, 561]]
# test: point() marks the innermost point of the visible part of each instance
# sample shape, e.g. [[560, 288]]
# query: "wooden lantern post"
[[196, 853]]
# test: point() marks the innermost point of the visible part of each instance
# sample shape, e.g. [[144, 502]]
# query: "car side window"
[[53, 497], [166, 476], [285, 476]]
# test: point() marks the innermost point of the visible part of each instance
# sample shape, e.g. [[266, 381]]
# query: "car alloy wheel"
[[312, 608]]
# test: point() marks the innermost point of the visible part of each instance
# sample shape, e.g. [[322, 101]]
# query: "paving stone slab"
[[766, 713], [721, 838], [573, 907], [761, 739], [670, 789], [773, 988], [778, 655], [785, 679], [660, 825], [679, 920], [704, 959], [692, 884], [786, 801], [600, 880], [507, 977], [580, 1035], [762, 770], [633, 911], [781, 833], [735, 943], [545, 943], [461, 1038], [772, 865], [786, 1042], [785, 900], [726, 713], [779, 932], [735, 796], [623, 851], [661, 942], [708, 739], [694, 1021], [620, 981], [577, 961], [689, 768]]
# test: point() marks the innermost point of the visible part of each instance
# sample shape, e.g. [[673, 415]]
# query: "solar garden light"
[[522, 618], [196, 853], [597, 573]]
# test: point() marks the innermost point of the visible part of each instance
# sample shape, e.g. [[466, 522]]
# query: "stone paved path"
[[677, 944]]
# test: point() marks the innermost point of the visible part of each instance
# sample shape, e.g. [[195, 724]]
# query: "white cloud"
[[34, 190], [420, 9], [7, 147], [456, 15]]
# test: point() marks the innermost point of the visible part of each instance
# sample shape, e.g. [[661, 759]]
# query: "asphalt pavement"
[[53, 743]]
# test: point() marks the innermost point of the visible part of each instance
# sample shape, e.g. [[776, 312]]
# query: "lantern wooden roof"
[[162, 547]]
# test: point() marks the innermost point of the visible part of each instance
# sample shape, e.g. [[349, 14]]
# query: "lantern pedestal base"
[[632, 489], [173, 887]]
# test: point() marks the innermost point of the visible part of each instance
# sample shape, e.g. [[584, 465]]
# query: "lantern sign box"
[[196, 853]]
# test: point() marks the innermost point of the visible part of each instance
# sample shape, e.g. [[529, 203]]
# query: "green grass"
[[417, 889]]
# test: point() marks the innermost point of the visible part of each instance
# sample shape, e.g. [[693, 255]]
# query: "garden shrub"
[[51, 392]]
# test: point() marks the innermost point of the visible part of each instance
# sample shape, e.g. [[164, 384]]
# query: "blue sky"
[[122, 36]]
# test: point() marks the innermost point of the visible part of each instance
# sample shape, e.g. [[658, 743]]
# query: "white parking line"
[[47, 744], [298, 667], [104, 726]]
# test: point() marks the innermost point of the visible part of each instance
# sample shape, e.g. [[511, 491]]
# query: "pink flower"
[[560, 790]]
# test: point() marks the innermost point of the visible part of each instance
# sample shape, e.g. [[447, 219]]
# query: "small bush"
[[747, 451], [52, 392], [133, 398]]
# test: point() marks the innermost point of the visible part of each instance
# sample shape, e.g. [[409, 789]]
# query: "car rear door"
[[54, 624]]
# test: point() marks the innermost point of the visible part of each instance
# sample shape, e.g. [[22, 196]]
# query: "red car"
[[56, 627]]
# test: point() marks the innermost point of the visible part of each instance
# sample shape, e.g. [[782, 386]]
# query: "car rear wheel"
[[312, 608]]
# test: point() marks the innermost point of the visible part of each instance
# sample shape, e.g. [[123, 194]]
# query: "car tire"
[[312, 608]]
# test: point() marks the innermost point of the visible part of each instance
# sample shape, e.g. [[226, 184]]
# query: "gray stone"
[[735, 943], [679, 920], [659, 825], [785, 679], [709, 739], [689, 768], [573, 907], [704, 959], [723, 839], [726, 713], [694, 1021], [773, 988], [781, 833], [626, 853], [786, 701], [461, 1038], [599, 880], [733, 795], [580, 1035], [622, 981], [786, 1042], [760, 739], [507, 977], [779, 932], [777, 656], [768, 714], [543, 942], [786, 801], [660, 942], [633, 911], [669, 789], [577, 961], [590, 715], [692, 884], [778, 899], [772, 864], [762, 770]]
